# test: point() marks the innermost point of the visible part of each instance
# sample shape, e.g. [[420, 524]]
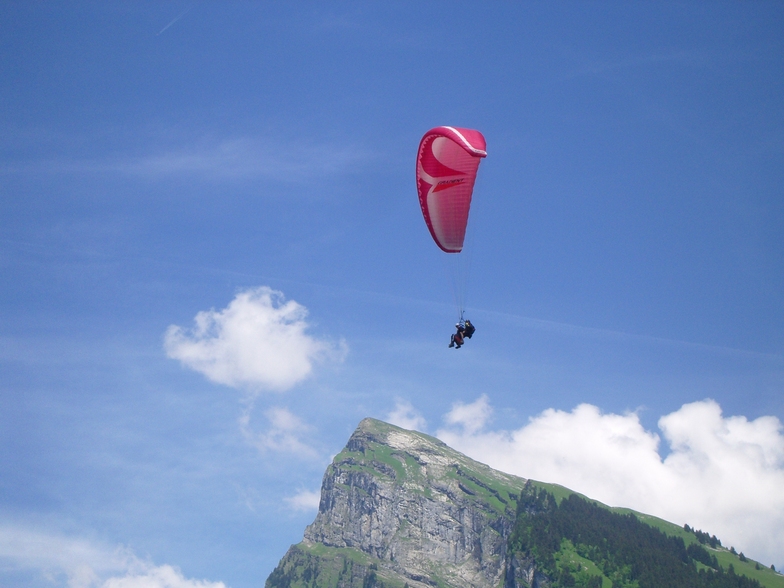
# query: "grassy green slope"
[[750, 568]]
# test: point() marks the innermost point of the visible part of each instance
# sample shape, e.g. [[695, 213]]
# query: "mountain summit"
[[402, 509]]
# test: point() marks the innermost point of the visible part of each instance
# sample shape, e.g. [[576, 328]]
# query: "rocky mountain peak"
[[400, 509], [419, 512]]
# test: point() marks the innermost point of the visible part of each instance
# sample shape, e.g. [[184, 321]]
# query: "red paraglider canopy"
[[447, 162]]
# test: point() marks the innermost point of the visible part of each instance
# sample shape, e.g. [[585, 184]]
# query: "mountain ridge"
[[401, 508]]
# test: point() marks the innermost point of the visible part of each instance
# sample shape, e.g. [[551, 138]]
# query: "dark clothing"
[[464, 331]]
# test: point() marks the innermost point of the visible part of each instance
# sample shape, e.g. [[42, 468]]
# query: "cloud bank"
[[722, 474], [77, 563], [259, 342]]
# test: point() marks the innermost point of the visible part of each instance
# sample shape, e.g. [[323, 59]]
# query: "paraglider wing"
[[447, 162]]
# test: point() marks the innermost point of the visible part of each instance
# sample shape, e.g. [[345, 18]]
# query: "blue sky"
[[164, 159]]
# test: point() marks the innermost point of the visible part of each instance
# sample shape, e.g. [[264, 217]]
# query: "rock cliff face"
[[400, 507]]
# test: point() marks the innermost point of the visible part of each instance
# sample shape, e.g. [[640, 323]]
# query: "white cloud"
[[304, 500], [56, 555], [723, 474], [471, 417], [159, 577], [283, 433], [78, 563], [258, 342], [406, 416]]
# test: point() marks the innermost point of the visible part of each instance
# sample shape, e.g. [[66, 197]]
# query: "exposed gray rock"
[[522, 573], [419, 512]]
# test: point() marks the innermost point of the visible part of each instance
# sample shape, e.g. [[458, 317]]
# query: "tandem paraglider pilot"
[[464, 329]]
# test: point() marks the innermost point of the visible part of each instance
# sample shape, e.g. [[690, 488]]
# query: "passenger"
[[457, 339]]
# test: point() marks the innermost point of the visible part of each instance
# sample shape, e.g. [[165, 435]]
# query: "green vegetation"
[[712, 545], [728, 557], [586, 573], [559, 492], [318, 566], [724, 557], [577, 542], [495, 496]]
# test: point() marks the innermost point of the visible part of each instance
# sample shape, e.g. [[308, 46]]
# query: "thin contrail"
[[176, 18]]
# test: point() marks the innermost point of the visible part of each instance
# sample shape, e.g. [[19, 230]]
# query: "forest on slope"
[[577, 542]]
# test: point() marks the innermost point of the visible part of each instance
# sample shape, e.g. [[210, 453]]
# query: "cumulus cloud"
[[77, 560], [304, 500], [159, 577], [406, 416], [259, 342], [283, 434], [722, 474], [470, 417], [78, 563]]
